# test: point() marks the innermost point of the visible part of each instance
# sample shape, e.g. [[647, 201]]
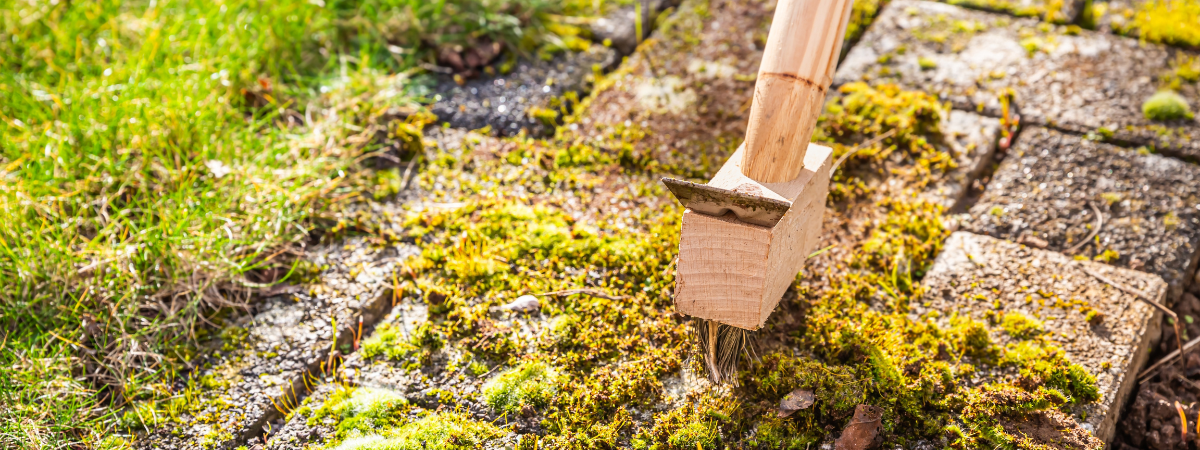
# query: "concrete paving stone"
[[972, 139], [1045, 191], [504, 101], [620, 27], [1076, 80], [286, 340], [425, 387], [982, 277], [686, 93]]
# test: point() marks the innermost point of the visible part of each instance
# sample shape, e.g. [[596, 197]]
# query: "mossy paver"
[[1169, 22], [424, 388], [683, 99], [1003, 283], [267, 358], [1052, 182], [619, 28], [1056, 11], [529, 97], [973, 140], [1062, 77], [307, 426]]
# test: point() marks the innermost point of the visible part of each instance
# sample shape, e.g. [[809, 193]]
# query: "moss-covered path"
[[977, 281]]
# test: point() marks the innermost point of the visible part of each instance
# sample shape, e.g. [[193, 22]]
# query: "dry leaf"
[[863, 430], [797, 400]]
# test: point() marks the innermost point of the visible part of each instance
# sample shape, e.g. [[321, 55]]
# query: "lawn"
[[164, 159]]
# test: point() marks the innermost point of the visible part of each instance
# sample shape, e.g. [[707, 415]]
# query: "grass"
[[162, 159]]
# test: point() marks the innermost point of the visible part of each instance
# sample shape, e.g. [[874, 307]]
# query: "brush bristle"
[[722, 346]]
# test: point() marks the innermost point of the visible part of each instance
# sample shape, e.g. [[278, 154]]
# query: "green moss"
[[697, 425], [1045, 363], [546, 116], [838, 389], [350, 401], [985, 407], [115, 443], [862, 14], [861, 112], [1020, 326], [1108, 255], [775, 432], [970, 337], [1049, 10], [141, 415], [926, 63], [437, 431], [389, 341], [1166, 105], [1165, 21], [529, 384], [359, 412]]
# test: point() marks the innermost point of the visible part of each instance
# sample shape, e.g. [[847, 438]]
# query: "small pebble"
[[524, 303]]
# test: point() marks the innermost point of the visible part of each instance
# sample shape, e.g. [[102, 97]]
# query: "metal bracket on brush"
[[745, 201]]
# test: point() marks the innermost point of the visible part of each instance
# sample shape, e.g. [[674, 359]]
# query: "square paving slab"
[[1048, 190], [247, 386], [972, 139], [985, 278], [1066, 78]]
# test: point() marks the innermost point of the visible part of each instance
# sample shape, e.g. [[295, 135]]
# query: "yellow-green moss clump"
[[695, 425], [1020, 326], [1048, 10], [529, 384], [861, 112], [1046, 364], [979, 425], [389, 341], [1166, 105], [862, 14], [437, 431], [377, 419], [1175, 22]]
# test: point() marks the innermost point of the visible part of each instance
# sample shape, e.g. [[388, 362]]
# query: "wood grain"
[[798, 62], [734, 272]]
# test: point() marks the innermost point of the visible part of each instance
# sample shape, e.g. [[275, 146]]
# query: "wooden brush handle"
[[797, 67]]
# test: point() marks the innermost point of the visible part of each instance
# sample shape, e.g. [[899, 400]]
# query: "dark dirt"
[[503, 101], [477, 94], [1053, 429]]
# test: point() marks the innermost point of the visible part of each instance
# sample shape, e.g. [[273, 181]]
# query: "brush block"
[[735, 272]]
